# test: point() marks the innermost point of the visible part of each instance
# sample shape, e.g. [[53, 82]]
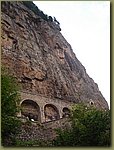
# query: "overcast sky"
[[86, 27]]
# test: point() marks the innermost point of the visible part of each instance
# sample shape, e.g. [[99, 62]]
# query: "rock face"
[[41, 58]]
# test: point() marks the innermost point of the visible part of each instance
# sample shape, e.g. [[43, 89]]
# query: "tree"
[[89, 127], [35, 9], [9, 108]]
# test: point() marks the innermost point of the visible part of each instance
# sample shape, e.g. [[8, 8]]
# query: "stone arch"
[[31, 110], [51, 112], [66, 112]]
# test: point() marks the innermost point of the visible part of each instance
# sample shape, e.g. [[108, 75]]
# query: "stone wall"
[[41, 101], [41, 131]]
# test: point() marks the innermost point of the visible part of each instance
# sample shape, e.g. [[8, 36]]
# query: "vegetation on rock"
[[38, 12], [9, 104], [90, 127]]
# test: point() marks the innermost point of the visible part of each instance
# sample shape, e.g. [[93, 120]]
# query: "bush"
[[90, 127], [34, 143], [9, 104]]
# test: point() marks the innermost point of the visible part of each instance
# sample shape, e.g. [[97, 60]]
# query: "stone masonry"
[[43, 101]]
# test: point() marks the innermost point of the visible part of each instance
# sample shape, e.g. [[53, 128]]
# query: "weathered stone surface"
[[42, 60], [35, 131]]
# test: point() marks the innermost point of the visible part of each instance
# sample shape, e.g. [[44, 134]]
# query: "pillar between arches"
[[42, 114]]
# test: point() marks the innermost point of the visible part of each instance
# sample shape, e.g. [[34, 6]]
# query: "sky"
[[86, 27]]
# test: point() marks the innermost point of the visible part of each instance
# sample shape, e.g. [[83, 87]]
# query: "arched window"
[[51, 112], [66, 112], [31, 110]]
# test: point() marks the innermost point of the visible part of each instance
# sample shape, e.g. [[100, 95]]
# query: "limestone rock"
[[41, 58]]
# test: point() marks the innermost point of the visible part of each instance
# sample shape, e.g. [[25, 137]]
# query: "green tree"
[[89, 127], [9, 108]]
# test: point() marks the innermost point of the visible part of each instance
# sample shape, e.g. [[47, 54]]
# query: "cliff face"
[[42, 60]]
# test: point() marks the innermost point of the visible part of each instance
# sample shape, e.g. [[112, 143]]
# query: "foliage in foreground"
[[9, 102], [33, 143], [90, 127]]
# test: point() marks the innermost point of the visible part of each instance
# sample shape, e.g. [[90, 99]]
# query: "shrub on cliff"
[[35, 9], [50, 19], [90, 127], [9, 101]]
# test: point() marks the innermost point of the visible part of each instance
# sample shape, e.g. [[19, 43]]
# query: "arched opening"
[[51, 112], [31, 110], [66, 112], [91, 102]]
